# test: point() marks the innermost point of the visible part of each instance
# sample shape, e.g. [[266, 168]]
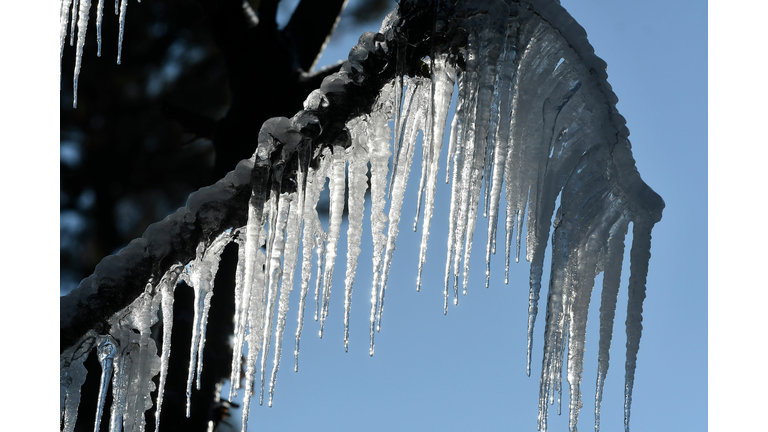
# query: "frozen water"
[[534, 116]]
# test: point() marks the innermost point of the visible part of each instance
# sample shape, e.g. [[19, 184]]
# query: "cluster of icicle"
[[74, 14], [531, 118]]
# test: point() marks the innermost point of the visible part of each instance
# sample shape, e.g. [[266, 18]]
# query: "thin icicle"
[[200, 275], [255, 327], [74, 23], [614, 258], [443, 78], [105, 351], [240, 315], [165, 288], [379, 136], [82, 28], [456, 148], [123, 6], [417, 103], [99, 19], [275, 253], [71, 378], [640, 254], [336, 187], [314, 237], [293, 231], [358, 185], [63, 23]]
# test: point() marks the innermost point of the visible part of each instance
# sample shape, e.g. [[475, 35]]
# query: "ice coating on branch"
[[534, 116]]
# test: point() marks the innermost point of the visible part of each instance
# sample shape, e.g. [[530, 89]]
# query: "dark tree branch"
[[309, 28]]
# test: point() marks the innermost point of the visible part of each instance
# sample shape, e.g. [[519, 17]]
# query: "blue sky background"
[[466, 370]]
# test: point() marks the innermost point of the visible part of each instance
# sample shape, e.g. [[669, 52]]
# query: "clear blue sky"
[[466, 370]]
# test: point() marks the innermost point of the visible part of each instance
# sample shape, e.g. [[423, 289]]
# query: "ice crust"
[[534, 116]]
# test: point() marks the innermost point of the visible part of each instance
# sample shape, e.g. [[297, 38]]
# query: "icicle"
[[614, 258], [416, 96], [73, 23], [82, 28], [336, 187], [490, 50], [455, 149], [314, 238], [500, 150], [255, 326], [275, 252], [640, 254], [165, 289], [378, 139], [443, 77], [71, 378], [400, 48], [240, 315], [123, 6], [200, 275], [106, 351], [99, 19], [135, 363], [357, 155], [293, 231], [63, 23]]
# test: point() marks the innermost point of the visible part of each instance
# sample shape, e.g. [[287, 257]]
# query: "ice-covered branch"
[[534, 114]]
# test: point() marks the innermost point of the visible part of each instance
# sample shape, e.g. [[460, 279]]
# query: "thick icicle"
[[165, 289], [336, 187]]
